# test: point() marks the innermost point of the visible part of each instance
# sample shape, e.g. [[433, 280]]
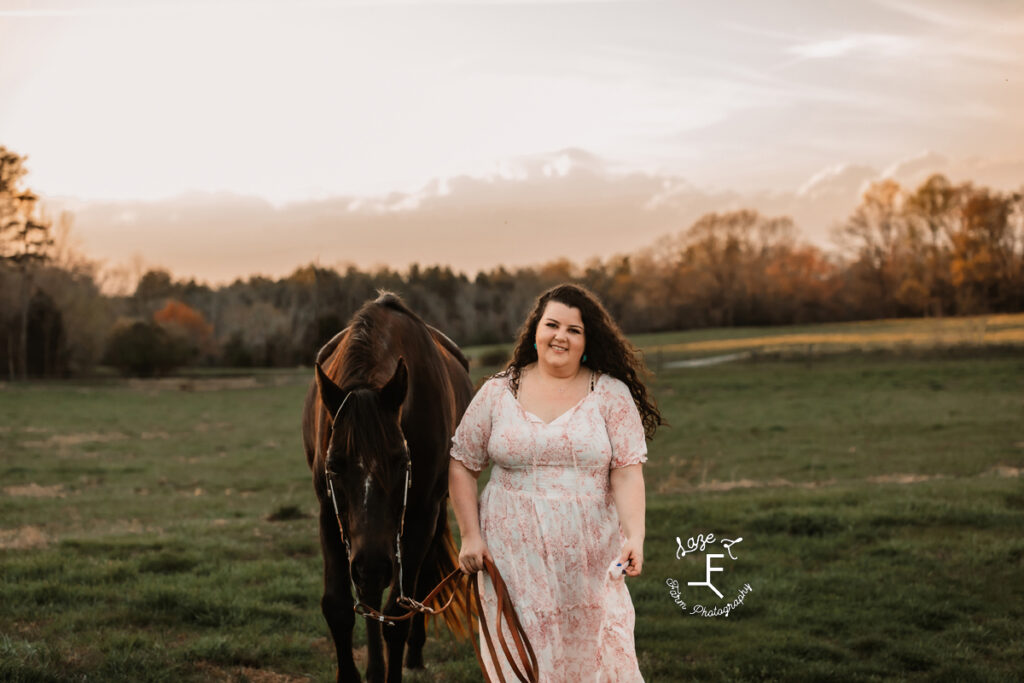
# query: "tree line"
[[942, 249]]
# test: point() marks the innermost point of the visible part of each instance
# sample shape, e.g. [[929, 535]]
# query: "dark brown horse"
[[389, 393]]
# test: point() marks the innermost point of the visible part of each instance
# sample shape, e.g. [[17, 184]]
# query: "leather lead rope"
[[506, 611], [526, 670]]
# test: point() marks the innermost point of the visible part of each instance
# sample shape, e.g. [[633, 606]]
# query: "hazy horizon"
[[563, 205]]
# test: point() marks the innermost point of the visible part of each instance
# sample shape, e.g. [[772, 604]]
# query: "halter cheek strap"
[[337, 413]]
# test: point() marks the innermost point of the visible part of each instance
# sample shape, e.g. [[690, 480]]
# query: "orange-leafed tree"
[[801, 284], [874, 235], [726, 255], [984, 251], [187, 324], [932, 213]]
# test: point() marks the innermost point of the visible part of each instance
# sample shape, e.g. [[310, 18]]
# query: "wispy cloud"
[[761, 32], [999, 18], [873, 44]]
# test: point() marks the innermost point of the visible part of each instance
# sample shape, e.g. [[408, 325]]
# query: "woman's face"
[[560, 336]]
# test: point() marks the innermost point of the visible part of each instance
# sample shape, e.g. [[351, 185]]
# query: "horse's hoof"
[[414, 660], [349, 676]]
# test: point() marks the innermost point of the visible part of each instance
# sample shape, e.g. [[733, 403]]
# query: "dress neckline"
[[527, 413]]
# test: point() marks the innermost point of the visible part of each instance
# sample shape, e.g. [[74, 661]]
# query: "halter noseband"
[[360, 607]]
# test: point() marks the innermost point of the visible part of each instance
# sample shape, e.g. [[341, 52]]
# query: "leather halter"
[[361, 607]]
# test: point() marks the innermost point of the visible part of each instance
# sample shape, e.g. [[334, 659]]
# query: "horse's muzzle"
[[371, 572]]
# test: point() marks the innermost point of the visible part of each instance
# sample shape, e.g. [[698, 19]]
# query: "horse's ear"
[[330, 393], [392, 394]]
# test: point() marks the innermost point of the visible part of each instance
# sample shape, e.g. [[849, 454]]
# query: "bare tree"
[[25, 241]]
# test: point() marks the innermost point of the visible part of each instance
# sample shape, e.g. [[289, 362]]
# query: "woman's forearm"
[[462, 490], [628, 492]]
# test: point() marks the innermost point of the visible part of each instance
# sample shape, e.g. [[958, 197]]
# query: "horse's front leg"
[[414, 549], [395, 637], [337, 601], [375, 665], [429, 576], [417, 638]]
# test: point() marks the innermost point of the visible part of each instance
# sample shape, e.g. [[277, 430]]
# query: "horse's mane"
[[363, 328], [392, 301]]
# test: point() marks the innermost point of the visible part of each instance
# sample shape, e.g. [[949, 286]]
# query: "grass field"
[[162, 531]]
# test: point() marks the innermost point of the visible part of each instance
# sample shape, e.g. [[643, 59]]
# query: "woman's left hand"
[[632, 557]]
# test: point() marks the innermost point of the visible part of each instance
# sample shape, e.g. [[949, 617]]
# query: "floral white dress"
[[549, 521]]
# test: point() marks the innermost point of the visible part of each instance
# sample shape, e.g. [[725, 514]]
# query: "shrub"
[[236, 354], [145, 350]]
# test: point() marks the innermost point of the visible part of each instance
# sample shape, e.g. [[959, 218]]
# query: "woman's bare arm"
[[462, 488], [629, 494]]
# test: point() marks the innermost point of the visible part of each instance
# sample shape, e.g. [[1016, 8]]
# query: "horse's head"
[[366, 463]]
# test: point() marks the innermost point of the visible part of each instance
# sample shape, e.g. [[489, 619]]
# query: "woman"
[[562, 516]]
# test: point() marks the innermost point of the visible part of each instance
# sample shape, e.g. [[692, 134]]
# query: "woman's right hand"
[[472, 554]]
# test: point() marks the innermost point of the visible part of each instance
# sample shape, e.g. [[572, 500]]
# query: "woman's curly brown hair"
[[607, 350]]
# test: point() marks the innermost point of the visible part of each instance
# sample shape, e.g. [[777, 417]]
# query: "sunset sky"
[[116, 100]]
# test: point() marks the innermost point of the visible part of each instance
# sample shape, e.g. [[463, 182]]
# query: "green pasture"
[[163, 530]]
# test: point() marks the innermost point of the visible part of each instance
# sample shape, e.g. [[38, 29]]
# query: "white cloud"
[[926, 161], [559, 166], [841, 180], [873, 44]]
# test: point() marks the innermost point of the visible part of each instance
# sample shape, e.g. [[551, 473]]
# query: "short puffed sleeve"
[[469, 445], [622, 420]]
